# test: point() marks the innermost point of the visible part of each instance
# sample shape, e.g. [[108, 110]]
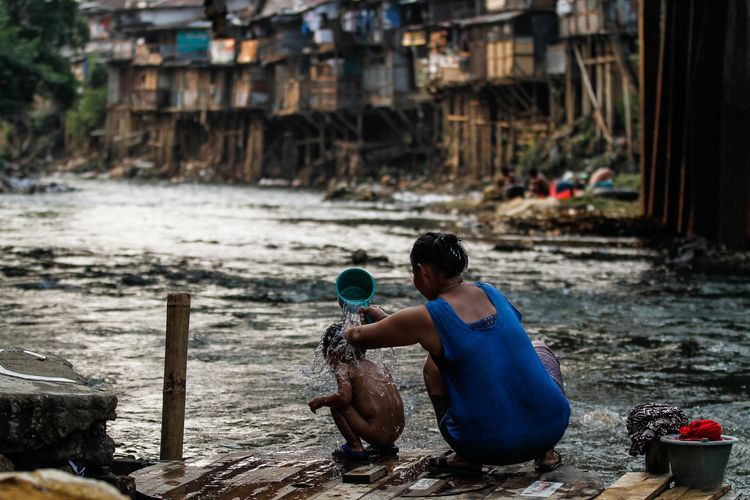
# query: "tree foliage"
[[32, 35], [90, 110]]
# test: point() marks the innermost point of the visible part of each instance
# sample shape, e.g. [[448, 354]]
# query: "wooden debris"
[[637, 485], [685, 493], [365, 475], [645, 486]]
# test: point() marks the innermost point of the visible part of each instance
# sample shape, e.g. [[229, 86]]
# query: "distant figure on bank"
[[565, 187], [504, 187], [538, 184], [512, 188], [367, 405], [602, 177]]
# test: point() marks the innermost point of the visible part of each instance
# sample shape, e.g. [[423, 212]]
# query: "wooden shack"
[[291, 84], [492, 72], [336, 84], [199, 89], [284, 39], [599, 38], [250, 88], [387, 78]]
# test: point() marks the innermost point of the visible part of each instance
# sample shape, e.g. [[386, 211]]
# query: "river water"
[[85, 274]]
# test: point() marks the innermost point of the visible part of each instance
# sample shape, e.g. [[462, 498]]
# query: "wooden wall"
[[695, 111]]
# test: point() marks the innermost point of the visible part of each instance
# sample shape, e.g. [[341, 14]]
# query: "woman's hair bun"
[[443, 250], [449, 239]]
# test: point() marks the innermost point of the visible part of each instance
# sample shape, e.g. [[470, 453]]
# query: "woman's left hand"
[[373, 312]]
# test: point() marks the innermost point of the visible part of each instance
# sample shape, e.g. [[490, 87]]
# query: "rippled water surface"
[[85, 275]]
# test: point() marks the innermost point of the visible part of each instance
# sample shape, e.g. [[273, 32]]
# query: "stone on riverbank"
[[51, 483], [48, 415]]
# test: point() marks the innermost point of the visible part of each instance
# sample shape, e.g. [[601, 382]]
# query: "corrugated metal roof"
[[280, 7], [172, 4], [490, 18], [103, 5]]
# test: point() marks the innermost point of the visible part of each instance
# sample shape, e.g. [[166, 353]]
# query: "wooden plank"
[[404, 469], [685, 493], [345, 491], [175, 479], [588, 486], [264, 480], [636, 486], [308, 481], [673, 493], [365, 475]]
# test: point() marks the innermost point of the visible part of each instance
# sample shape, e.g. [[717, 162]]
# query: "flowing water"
[[85, 275]]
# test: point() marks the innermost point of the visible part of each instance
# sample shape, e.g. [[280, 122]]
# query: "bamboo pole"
[[592, 96], [628, 122], [175, 375], [570, 102]]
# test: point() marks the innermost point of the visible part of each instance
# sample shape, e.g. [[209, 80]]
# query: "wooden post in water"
[[175, 375]]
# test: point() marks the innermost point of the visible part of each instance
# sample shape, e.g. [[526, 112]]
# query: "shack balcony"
[[176, 53], [449, 70], [201, 99], [335, 86], [500, 5], [122, 50], [281, 45], [335, 94], [512, 59], [249, 88], [248, 52], [148, 54], [149, 99], [598, 17], [387, 79], [291, 97]]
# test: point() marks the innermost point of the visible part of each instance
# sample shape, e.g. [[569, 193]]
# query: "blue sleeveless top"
[[504, 407]]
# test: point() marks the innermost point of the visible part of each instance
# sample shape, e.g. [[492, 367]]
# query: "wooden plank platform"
[[644, 486], [243, 475]]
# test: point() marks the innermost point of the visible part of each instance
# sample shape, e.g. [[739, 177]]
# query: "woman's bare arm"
[[408, 326]]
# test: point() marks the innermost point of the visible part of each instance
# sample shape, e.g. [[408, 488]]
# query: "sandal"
[[541, 467], [453, 465], [346, 453], [389, 450]]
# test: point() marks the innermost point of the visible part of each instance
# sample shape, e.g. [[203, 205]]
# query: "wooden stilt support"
[[627, 118], [592, 97], [648, 29], [570, 96], [175, 376]]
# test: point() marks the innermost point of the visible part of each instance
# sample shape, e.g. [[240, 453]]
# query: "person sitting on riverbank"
[[538, 184], [498, 398], [367, 406], [602, 178]]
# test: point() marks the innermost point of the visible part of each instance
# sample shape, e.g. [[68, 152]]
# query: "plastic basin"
[[698, 464]]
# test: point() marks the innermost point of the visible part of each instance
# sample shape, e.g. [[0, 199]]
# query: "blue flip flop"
[[389, 450], [346, 453]]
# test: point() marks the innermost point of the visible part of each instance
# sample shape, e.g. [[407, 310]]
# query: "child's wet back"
[[367, 405]]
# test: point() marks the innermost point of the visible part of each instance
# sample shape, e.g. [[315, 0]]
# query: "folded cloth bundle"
[[650, 421], [701, 429]]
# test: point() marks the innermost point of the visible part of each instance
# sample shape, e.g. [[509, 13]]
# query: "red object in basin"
[[701, 429]]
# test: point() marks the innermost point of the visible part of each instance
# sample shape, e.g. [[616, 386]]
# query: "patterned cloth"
[[650, 421], [550, 362]]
